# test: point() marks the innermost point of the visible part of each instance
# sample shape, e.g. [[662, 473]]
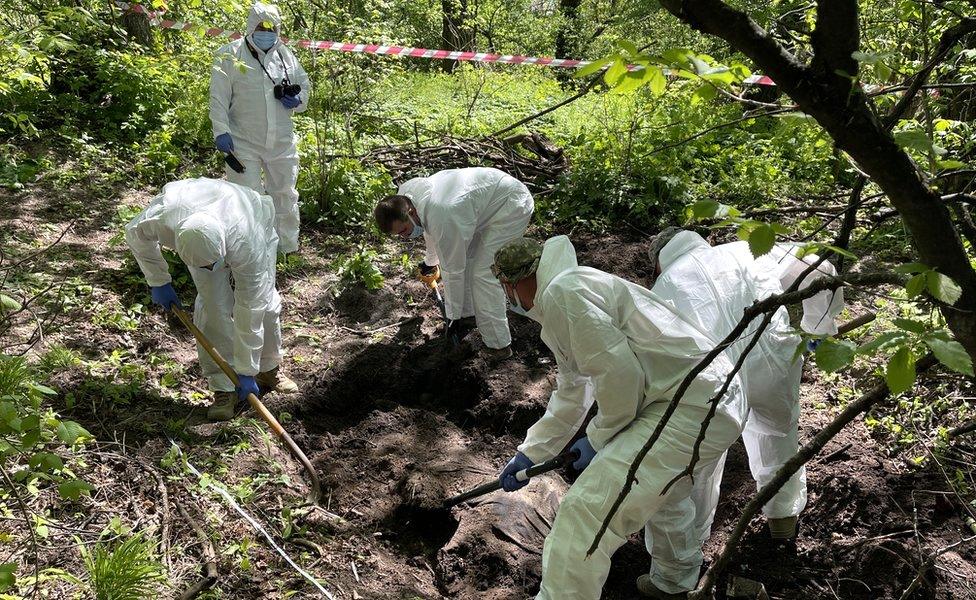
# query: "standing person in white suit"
[[713, 286], [221, 231], [465, 216], [255, 85], [626, 349]]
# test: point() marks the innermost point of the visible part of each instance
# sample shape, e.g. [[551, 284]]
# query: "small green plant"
[[360, 269], [127, 571]]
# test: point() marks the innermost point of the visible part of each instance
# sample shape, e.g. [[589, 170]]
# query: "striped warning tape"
[[389, 50]]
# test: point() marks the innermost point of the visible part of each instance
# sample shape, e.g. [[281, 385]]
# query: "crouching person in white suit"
[[619, 345], [225, 234]]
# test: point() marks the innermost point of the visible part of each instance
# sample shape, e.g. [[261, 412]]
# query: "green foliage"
[[359, 268], [31, 433], [125, 571], [345, 193]]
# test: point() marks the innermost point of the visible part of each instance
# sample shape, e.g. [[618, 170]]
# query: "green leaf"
[[942, 287], [950, 164], [886, 339], [8, 304], [70, 432], [761, 240], [915, 285], [628, 46], [900, 373], [912, 267], [7, 577], [593, 67], [833, 355], [705, 92], [950, 352], [915, 140], [657, 81], [617, 70], [73, 489], [46, 461], [910, 325]]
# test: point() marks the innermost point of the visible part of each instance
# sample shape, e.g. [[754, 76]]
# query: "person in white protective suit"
[[465, 216], [621, 346], [713, 286], [255, 85], [221, 231]]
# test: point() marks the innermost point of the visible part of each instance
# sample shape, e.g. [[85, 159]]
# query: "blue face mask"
[[418, 230], [264, 39], [516, 305]]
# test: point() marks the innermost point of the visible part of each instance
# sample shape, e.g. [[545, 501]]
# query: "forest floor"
[[394, 421]]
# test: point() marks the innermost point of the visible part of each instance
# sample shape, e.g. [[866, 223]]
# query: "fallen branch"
[[805, 454], [531, 158], [209, 571]]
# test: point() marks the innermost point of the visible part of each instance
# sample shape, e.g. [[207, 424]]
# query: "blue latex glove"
[[586, 453], [165, 296], [246, 384], [507, 476], [812, 344], [290, 101], [224, 142]]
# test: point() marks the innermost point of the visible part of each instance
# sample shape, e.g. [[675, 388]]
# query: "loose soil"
[[395, 420]]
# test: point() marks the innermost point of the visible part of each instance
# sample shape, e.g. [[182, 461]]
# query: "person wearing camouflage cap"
[[622, 347]]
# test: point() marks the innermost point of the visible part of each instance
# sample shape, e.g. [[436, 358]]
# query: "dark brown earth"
[[395, 420]]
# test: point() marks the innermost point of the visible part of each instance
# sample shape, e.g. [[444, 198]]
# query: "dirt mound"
[[360, 305]]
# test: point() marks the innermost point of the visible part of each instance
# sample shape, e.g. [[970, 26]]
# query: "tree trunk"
[[137, 26], [454, 33]]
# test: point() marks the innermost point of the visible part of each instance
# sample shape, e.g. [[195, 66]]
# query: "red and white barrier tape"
[[382, 49]]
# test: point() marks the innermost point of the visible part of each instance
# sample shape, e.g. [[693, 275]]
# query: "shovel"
[[562, 460], [315, 493], [440, 304]]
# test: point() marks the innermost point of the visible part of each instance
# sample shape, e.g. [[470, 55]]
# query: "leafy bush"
[[344, 194], [359, 268]]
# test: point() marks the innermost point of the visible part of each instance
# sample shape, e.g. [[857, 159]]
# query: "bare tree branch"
[[811, 449], [946, 42]]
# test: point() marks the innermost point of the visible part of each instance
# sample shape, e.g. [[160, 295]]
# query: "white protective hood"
[[558, 255], [200, 240], [263, 12], [682, 243], [417, 189]]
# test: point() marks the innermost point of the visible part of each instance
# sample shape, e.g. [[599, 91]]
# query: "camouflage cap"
[[517, 260], [659, 241]]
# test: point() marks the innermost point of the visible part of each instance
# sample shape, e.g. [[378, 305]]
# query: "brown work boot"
[[223, 406], [497, 355], [649, 590], [782, 529], [274, 381]]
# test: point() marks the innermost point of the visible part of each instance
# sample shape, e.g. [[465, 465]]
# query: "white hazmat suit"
[[713, 286], [467, 215], [242, 103], [618, 345], [208, 221]]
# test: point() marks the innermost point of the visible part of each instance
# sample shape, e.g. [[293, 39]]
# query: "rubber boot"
[[223, 406], [782, 529], [274, 381], [649, 590], [497, 355]]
